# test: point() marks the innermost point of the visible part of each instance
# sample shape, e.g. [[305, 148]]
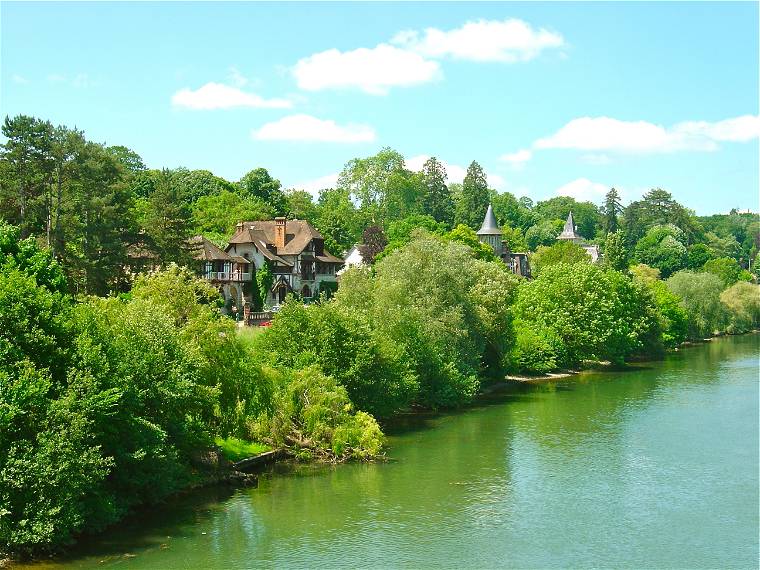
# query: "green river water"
[[653, 467]]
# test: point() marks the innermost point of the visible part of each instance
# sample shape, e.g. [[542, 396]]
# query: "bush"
[[313, 417], [727, 268], [560, 252], [536, 351]]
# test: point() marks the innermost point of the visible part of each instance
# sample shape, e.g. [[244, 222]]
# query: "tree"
[[436, 198], [611, 210], [467, 236], [301, 206], [658, 208], [27, 153], [168, 220], [663, 247], [216, 215], [512, 212], [615, 251], [700, 298], [472, 202], [585, 214], [698, 254], [258, 183], [338, 220], [598, 313], [373, 243], [560, 252], [543, 233], [727, 268], [514, 238], [742, 300]]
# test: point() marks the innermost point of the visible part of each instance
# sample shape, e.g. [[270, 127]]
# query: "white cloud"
[[738, 129], [16, 78], [607, 134], [507, 41], [311, 129], [56, 78], [596, 159], [517, 159], [455, 172], [583, 189], [219, 96], [314, 186], [373, 70]]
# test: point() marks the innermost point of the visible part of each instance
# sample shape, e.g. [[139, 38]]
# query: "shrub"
[[560, 252], [536, 350], [727, 268]]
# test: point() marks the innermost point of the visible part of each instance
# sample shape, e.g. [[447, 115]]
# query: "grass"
[[248, 334], [235, 449]]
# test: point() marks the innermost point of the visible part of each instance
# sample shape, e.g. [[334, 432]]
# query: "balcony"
[[234, 276]]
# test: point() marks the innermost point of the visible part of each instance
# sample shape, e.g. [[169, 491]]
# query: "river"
[[652, 467]]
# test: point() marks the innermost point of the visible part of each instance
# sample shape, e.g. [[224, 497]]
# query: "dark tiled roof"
[[298, 235], [204, 250]]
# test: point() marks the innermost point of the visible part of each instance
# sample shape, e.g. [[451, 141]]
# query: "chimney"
[[239, 226], [280, 228]]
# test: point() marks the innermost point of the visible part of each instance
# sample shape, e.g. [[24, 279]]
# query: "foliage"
[[698, 255], [742, 300], [514, 238], [264, 280], [611, 211], [467, 236], [372, 370], [663, 247], [436, 200], [559, 252], [700, 297], [472, 201], [674, 321], [168, 220], [258, 183], [218, 214], [658, 208], [537, 349], [598, 313], [448, 311], [615, 251], [543, 233], [373, 243], [727, 268], [510, 211], [313, 416]]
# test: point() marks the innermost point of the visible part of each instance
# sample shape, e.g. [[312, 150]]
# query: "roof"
[[568, 232], [203, 249], [489, 227], [298, 235]]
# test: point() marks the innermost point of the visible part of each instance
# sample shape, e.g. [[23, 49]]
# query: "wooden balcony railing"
[[228, 275]]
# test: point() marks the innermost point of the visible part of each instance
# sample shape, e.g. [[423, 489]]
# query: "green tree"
[[658, 208], [611, 210], [700, 298], [698, 254], [472, 201], [727, 268], [742, 301], [663, 247], [615, 251], [436, 198], [560, 252], [168, 220], [543, 233], [467, 236], [217, 215], [598, 313], [585, 214], [258, 183], [301, 206]]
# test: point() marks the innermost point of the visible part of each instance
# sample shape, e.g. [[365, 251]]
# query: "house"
[[490, 233], [293, 250], [231, 274], [569, 233], [352, 258]]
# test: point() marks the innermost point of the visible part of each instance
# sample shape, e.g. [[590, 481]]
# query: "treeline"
[[100, 209]]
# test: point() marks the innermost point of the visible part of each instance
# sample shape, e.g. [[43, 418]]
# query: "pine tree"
[[168, 220], [436, 198], [611, 209], [473, 200]]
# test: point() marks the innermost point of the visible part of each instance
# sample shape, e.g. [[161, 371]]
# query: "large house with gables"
[[293, 250]]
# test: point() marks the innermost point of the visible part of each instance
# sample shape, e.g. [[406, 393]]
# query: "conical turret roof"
[[568, 232], [489, 227]]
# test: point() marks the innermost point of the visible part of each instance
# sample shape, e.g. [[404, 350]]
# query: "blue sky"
[[568, 98]]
